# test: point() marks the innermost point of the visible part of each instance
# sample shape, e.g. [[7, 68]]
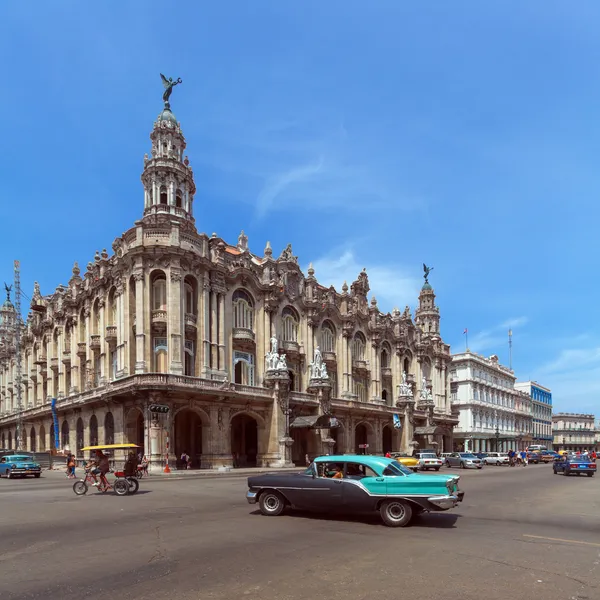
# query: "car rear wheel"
[[590, 474], [437, 468], [565, 472], [37, 475], [396, 513], [8, 474], [271, 504]]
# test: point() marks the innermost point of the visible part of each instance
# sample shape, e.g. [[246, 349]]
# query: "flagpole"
[[510, 349], [466, 340]]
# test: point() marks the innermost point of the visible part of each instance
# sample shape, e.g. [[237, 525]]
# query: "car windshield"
[[428, 456], [20, 459], [467, 455], [395, 469]]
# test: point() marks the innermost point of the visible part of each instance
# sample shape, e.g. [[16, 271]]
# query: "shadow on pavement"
[[436, 521]]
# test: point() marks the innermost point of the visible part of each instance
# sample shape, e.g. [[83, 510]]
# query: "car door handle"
[[379, 479]]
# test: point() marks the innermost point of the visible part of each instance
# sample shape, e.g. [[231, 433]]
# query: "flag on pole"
[[465, 331], [397, 421]]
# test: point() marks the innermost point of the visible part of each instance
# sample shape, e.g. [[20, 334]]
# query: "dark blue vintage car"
[[574, 464], [356, 483]]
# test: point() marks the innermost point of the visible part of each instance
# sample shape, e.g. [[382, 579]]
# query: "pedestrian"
[[71, 466], [388, 454], [524, 457], [307, 460], [184, 461]]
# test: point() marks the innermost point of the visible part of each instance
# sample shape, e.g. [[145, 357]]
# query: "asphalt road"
[[521, 533]]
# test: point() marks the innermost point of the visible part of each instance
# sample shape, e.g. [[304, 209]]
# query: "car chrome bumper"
[[251, 497], [446, 502]]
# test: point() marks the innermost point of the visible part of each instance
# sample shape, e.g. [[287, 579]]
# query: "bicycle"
[[120, 486]]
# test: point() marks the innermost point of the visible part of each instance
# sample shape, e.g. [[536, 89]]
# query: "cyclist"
[[99, 466]]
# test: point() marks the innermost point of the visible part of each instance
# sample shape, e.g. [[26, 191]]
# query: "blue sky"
[[381, 135]]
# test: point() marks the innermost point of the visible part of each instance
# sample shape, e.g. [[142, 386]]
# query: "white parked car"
[[496, 458], [428, 461]]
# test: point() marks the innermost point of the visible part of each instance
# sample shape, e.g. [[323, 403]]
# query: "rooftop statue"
[[169, 85], [426, 271]]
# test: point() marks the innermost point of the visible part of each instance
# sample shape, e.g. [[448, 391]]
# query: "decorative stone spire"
[[268, 250], [168, 179], [311, 270], [344, 288], [242, 242]]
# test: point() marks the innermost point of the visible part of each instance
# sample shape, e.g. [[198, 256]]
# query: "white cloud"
[[277, 184], [391, 285], [574, 378], [495, 337]]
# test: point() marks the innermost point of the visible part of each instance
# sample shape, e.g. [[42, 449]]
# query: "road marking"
[[541, 537]]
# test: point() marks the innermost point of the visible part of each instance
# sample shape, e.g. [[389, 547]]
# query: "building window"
[[358, 347], [159, 293], [290, 324], [160, 355], [189, 358], [327, 338], [178, 199], [163, 195], [113, 364], [243, 368], [360, 391], [385, 357], [97, 370], [243, 310]]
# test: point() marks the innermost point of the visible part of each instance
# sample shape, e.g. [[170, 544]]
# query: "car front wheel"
[[8, 474], [271, 504], [396, 513]]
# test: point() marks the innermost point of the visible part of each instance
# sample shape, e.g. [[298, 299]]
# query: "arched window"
[[189, 359], [64, 435], [96, 318], [93, 430], [163, 195], [159, 292], [360, 390], [79, 435], [384, 396], [243, 368], [82, 333], [178, 199], [112, 309], [406, 365], [109, 428], [290, 320], [191, 306], [243, 310], [358, 347], [385, 356], [160, 355], [327, 340], [55, 343]]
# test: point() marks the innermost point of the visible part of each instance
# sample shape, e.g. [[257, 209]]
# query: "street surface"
[[521, 533]]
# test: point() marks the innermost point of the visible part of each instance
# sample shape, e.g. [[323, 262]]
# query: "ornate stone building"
[[258, 363]]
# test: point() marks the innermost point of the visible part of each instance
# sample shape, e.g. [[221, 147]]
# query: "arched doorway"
[[52, 438], [387, 439], [64, 436], [109, 428], [10, 440], [42, 438], [134, 428], [244, 441], [188, 436], [3, 440], [79, 433], [93, 430], [32, 444], [361, 438]]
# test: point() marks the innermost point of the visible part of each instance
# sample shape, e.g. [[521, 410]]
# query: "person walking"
[[71, 463], [524, 457], [184, 461]]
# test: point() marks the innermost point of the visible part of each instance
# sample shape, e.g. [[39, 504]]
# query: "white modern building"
[[574, 431], [541, 398], [493, 415]]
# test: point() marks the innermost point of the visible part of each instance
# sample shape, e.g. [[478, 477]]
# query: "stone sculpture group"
[[275, 361], [317, 368]]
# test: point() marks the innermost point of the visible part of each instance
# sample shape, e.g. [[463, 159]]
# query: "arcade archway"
[[188, 436], [387, 439], [244, 441]]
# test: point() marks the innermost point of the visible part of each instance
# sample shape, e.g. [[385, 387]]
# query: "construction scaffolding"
[[18, 358]]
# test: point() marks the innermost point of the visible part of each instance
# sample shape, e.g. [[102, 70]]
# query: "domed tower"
[[168, 179], [427, 316], [8, 317]]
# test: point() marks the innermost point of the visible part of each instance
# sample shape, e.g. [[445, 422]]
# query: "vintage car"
[[355, 483], [19, 465], [410, 462], [429, 461], [496, 458], [574, 464]]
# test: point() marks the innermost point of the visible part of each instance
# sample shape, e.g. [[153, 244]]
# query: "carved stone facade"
[[177, 317]]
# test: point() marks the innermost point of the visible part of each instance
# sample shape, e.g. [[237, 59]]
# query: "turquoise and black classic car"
[[356, 483], [19, 465]]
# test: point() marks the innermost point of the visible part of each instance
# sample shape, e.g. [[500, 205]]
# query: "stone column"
[[345, 367], [102, 331], [174, 320], [222, 365], [205, 328], [279, 441], [214, 356], [140, 320]]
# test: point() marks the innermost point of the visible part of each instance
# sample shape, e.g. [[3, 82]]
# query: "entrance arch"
[[32, 445], [134, 428], [189, 435], [244, 440], [364, 434], [93, 430], [42, 438], [79, 443], [387, 439]]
